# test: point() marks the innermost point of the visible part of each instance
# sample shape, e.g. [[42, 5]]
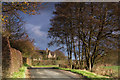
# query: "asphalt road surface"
[[53, 73]]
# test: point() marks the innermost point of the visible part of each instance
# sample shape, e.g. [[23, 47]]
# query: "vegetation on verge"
[[112, 67], [84, 73], [111, 71], [21, 73]]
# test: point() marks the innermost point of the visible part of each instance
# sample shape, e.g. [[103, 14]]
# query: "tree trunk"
[[90, 67], [79, 53], [71, 55], [75, 54], [82, 56], [67, 44], [90, 63]]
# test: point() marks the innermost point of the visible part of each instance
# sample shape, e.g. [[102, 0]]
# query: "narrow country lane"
[[53, 73]]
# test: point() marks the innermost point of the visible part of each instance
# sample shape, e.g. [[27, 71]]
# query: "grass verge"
[[21, 73], [113, 71], [115, 68], [88, 74]]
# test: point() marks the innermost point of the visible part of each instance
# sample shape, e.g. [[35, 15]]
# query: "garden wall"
[[11, 59]]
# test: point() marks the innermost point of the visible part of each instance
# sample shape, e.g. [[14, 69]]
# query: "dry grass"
[[111, 71]]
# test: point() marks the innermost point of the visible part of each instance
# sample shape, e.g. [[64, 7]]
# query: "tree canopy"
[[12, 21], [85, 29], [12, 24]]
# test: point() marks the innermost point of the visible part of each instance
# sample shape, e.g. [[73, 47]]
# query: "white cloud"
[[39, 36], [33, 29]]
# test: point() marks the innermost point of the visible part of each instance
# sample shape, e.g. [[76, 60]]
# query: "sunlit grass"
[[21, 73], [86, 73]]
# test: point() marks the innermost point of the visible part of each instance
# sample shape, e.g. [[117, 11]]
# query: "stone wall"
[[11, 59]]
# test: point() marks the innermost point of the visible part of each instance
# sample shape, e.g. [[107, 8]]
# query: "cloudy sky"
[[37, 26]]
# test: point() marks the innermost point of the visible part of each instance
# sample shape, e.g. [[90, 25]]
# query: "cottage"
[[50, 54]]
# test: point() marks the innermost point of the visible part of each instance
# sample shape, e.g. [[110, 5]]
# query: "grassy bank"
[[21, 73], [115, 68], [88, 74]]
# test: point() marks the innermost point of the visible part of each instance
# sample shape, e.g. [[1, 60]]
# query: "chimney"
[[47, 50]]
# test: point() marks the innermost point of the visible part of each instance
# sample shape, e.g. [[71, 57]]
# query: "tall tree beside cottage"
[[85, 29]]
